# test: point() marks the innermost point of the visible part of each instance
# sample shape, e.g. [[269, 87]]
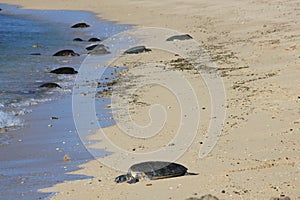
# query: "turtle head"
[[122, 178]]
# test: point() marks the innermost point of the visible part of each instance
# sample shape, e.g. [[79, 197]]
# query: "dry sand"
[[255, 45]]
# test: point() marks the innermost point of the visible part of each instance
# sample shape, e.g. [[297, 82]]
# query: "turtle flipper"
[[190, 174], [122, 178], [134, 180]]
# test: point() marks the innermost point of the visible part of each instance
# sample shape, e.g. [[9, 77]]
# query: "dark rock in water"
[[91, 47], [0, 9], [98, 49], [64, 70], [137, 49], [78, 40], [180, 37], [94, 40], [66, 52], [35, 54], [50, 85], [80, 25]]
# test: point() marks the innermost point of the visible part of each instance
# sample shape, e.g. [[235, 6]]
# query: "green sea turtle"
[[94, 40], [66, 52], [93, 46], [80, 25], [64, 70], [180, 37], [78, 40], [50, 85], [136, 50], [153, 170], [97, 49]]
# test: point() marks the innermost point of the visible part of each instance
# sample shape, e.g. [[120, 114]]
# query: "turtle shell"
[[136, 50], [158, 169]]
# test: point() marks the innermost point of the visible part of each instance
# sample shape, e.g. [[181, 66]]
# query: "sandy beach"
[[255, 48]]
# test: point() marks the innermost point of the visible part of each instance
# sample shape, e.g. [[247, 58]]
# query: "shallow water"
[[31, 154], [21, 73]]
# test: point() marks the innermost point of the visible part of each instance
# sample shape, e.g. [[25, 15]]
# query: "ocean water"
[[33, 160], [25, 32], [22, 73]]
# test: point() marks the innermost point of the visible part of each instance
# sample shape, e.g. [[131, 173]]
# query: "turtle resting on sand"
[[152, 170], [180, 37], [136, 50], [97, 49]]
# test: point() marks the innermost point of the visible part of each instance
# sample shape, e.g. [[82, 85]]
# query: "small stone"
[[2, 130], [36, 46], [67, 158]]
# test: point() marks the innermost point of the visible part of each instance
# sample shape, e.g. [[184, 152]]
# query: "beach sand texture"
[[255, 45]]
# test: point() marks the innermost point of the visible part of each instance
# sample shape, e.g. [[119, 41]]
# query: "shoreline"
[[43, 151], [254, 46]]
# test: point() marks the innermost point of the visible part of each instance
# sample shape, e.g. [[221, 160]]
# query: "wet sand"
[[254, 45], [35, 156]]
